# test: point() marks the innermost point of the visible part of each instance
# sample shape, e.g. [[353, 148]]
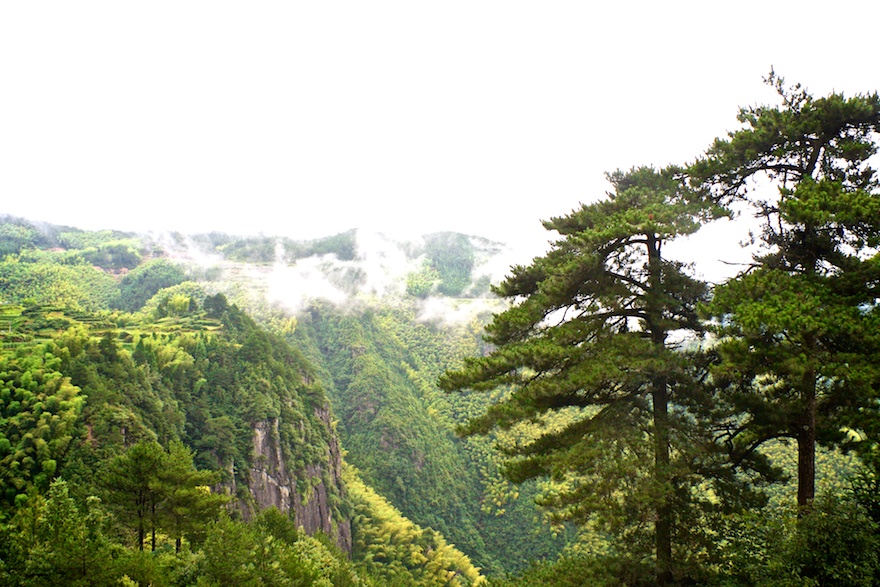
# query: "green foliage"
[[38, 410], [73, 238], [836, 544], [108, 396], [835, 471], [193, 368], [452, 256], [575, 571], [47, 283], [268, 249], [421, 283], [343, 245], [17, 234], [270, 552], [830, 138], [114, 255], [798, 332], [833, 544], [131, 480], [55, 542], [418, 466], [397, 551], [153, 490], [189, 503], [176, 300], [511, 525], [107, 249], [216, 305], [126, 403], [866, 487], [251, 250], [584, 350], [145, 280]]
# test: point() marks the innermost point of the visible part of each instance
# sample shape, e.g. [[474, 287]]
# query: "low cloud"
[[376, 274]]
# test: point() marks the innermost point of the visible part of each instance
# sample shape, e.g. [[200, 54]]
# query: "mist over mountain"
[[298, 379], [449, 274], [370, 322]]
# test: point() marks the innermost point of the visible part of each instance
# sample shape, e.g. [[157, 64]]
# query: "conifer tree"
[[59, 543], [153, 489], [188, 504], [602, 338], [132, 483], [799, 328]]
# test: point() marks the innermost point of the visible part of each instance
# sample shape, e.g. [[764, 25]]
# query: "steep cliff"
[[260, 406], [309, 493]]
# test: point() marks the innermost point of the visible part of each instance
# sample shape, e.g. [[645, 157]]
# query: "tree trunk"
[[660, 400], [663, 529], [806, 440], [806, 434], [153, 527]]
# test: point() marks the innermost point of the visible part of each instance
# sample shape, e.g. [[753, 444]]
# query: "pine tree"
[[60, 543], [188, 504], [798, 329], [601, 342], [132, 482], [154, 490]]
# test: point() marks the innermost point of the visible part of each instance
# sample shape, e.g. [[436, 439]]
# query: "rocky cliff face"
[[308, 493]]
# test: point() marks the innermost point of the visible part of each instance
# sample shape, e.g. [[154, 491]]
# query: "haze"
[[308, 119]]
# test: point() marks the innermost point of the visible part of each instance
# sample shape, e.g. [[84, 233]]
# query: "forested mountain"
[[160, 417], [377, 325], [354, 410], [398, 430]]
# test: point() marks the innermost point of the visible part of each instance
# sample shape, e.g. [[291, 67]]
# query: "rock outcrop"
[[310, 492]]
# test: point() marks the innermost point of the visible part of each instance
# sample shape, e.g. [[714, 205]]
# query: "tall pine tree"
[[601, 342], [798, 329]]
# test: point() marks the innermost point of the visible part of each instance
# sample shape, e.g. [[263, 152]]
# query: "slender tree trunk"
[[806, 441], [660, 400], [663, 529], [153, 527], [806, 434]]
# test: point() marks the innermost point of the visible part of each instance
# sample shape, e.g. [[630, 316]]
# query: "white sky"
[[310, 118]]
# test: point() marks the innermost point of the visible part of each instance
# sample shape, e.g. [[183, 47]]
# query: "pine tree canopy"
[[601, 343], [798, 330]]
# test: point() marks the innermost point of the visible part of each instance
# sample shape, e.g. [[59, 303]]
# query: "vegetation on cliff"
[[168, 428]]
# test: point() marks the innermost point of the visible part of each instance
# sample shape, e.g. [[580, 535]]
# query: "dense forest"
[[196, 410], [154, 432]]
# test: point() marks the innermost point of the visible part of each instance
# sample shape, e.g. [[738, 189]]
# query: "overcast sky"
[[310, 118]]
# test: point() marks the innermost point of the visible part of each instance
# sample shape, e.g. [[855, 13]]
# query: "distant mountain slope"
[[397, 428], [186, 365], [379, 319]]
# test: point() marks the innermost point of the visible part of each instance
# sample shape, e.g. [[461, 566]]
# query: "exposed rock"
[[273, 484]]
